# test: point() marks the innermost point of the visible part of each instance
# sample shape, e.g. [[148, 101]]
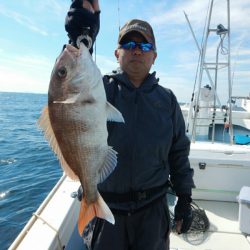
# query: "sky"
[[32, 37]]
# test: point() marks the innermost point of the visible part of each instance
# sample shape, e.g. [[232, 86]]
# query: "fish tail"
[[98, 209]]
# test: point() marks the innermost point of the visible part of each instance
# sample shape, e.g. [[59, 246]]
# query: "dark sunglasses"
[[145, 47]]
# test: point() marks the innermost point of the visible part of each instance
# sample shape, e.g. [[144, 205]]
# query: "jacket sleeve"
[[181, 174]]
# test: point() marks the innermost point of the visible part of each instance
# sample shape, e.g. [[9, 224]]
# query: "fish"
[[75, 124]]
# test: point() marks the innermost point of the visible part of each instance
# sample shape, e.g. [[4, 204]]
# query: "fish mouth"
[[71, 48], [72, 51]]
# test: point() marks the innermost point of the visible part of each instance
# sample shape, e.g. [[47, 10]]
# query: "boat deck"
[[223, 233], [57, 216]]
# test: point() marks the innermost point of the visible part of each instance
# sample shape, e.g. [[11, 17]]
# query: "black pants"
[[146, 229]]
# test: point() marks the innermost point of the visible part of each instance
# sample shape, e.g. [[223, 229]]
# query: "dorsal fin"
[[45, 124]]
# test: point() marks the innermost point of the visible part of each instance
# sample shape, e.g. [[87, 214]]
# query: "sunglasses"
[[145, 47]]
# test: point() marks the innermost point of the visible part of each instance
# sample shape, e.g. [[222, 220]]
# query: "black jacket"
[[151, 144]]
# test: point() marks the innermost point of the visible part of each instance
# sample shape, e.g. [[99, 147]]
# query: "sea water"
[[28, 167]]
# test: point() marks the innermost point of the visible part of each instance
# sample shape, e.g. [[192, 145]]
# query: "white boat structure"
[[215, 118], [221, 171]]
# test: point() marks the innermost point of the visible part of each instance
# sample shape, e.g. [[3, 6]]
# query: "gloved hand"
[[81, 21], [80, 194], [183, 213]]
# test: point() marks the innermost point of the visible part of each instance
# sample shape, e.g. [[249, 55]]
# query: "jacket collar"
[[122, 77]]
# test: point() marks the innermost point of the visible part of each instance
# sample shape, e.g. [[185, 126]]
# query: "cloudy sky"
[[32, 36]]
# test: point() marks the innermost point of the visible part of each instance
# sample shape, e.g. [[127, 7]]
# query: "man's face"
[[135, 62]]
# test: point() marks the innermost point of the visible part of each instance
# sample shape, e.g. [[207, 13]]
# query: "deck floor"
[[223, 233]]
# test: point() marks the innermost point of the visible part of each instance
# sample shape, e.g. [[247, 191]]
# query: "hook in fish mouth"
[[84, 39]]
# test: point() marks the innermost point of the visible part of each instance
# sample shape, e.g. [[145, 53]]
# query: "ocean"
[[28, 167]]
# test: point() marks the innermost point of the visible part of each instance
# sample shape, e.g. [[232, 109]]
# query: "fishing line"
[[236, 58], [95, 49]]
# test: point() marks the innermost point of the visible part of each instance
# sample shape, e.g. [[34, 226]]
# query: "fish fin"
[[103, 211], [86, 214], [45, 124], [80, 97], [70, 100], [109, 164], [98, 209], [114, 115]]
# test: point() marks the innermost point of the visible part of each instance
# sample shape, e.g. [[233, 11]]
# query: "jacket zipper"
[[134, 149]]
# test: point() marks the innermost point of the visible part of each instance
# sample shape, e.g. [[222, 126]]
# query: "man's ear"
[[155, 55], [117, 54]]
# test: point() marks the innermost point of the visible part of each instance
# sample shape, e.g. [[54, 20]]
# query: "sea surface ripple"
[[28, 168]]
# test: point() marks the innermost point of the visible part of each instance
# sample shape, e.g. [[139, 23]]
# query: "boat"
[[221, 173], [211, 117]]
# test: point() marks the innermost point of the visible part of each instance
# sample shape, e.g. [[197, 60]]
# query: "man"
[[152, 146]]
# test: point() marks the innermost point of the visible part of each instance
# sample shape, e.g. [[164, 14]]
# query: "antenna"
[[118, 10]]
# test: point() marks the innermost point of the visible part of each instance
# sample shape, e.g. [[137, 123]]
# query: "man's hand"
[[83, 18], [183, 213]]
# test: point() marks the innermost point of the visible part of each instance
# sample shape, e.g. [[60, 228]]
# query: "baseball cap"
[[140, 26]]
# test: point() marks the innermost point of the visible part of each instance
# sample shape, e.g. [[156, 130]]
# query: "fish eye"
[[62, 72]]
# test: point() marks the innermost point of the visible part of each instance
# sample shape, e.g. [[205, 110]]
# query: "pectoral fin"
[[109, 164], [70, 100], [78, 98], [113, 114]]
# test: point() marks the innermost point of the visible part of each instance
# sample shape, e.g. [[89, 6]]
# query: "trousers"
[[146, 229]]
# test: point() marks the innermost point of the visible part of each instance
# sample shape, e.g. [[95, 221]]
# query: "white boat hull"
[[52, 224], [220, 170]]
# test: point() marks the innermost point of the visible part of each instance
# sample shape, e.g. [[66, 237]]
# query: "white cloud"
[[177, 52], [54, 7], [171, 28], [22, 81], [244, 52], [180, 85], [244, 75], [26, 73], [170, 22], [106, 64], [175, 15], [23, 20], [32, 61]]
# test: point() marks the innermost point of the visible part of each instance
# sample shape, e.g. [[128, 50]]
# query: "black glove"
[[80, 21], [80, 194], [183, 211]]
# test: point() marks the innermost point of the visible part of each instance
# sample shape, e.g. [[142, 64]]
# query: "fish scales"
[[75, 125]]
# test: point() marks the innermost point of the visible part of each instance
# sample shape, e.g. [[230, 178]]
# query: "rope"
[[200, 223], [223, 49]]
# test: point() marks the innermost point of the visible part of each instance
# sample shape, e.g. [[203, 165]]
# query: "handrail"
[[34, 217]]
